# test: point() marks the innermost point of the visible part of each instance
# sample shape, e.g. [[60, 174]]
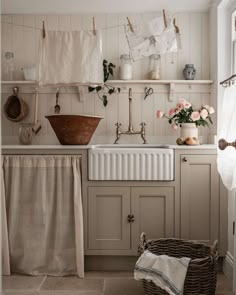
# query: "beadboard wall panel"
[[21, 33]]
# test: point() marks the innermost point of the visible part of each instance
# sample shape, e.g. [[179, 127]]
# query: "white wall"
[[21, 33]]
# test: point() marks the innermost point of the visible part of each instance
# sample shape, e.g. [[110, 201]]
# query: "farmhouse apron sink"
[[131, 162]]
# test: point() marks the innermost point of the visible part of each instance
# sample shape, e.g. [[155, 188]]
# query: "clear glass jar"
[[125, 67], [8, 67], [25, 133], [154, 68]]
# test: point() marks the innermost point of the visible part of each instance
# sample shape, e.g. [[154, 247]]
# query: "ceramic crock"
[[188, 130]]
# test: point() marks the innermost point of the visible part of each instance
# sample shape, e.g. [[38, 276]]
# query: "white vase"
[[188, 130]]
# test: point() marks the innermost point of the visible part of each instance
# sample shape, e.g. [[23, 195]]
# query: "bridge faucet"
[[130, 130]]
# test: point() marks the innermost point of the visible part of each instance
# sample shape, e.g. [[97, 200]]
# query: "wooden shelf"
[[24, 82], [196, 82], [171, 84]]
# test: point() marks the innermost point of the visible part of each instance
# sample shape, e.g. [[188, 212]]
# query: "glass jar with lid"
[[125, 67], [8, 67], [154, 68]]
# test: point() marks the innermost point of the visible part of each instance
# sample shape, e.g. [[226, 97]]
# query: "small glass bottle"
[[8, 67], [25, 133], [154, 69], [125, 67]]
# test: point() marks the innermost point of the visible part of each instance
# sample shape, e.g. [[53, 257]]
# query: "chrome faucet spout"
[[130, 127]]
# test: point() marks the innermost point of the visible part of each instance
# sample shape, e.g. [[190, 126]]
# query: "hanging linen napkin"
[[166, 272], [151, 38], [226, 160], [71, 58]]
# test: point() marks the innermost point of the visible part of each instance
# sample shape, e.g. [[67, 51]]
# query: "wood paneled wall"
[[21, 33]]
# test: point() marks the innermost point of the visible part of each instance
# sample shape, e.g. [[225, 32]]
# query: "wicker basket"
[[15, 108], [202, 271]]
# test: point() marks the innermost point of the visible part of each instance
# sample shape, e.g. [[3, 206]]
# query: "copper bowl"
[[74, 129]]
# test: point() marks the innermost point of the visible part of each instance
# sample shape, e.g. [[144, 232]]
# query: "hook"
[[15, 90], [43, 31], [94, 27]]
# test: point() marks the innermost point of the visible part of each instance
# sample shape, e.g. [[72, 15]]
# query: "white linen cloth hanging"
[[226, 160], [71, 58], [44, 215], [151, 38]]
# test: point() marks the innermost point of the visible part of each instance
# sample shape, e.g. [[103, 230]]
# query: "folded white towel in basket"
[[166, 272]]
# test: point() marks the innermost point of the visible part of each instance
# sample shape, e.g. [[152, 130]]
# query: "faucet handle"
[[118, 124], [143, 124]]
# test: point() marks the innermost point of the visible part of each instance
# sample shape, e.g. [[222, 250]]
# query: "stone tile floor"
[[95, 283]]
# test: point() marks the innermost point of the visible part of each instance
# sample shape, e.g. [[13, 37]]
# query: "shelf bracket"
[[171, 92]]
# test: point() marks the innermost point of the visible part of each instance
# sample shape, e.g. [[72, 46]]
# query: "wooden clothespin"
[[164, 18], [130, 25], [94, 27], [43, 31], [176, 27]]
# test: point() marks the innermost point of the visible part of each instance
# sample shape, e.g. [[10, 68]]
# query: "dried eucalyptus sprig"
[[106, 89]]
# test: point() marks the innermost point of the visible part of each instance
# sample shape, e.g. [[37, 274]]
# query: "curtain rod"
[[227, 82]]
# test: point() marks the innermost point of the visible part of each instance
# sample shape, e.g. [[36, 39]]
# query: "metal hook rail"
[[229, 81]]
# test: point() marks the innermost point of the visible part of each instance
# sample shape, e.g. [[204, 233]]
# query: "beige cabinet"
[[116, 217], [153, 208], [200, 198], [108, 210]]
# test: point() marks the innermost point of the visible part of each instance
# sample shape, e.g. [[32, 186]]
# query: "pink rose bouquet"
[[184, 112]]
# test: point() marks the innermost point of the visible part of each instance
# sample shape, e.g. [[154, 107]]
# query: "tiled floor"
[[95, 283]]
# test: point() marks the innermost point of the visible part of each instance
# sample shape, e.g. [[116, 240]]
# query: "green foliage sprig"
[[105, 90]]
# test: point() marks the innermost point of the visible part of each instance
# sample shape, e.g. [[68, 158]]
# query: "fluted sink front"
[[125, 163]]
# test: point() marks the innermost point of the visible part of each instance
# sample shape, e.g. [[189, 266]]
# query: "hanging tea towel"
[[151, 38], [166, 272], [71, 58]]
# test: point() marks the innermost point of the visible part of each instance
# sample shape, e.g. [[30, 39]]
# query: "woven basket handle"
[[214, 247], [142, 243]]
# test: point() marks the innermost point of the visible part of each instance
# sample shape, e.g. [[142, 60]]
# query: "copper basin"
[[74, 129]]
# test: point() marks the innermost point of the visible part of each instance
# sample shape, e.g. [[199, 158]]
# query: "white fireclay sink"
[[131, 162], [130, 146]]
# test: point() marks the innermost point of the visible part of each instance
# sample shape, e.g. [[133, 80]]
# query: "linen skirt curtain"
[[42, 222], [226, 160]]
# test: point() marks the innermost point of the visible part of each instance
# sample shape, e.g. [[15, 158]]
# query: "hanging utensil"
[[57, 107], [37, 125], [148, 91]]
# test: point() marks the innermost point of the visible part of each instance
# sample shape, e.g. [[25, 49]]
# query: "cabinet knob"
[[185, 159], [131, 218]]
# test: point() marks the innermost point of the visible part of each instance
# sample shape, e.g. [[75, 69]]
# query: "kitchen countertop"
[[6, 148]]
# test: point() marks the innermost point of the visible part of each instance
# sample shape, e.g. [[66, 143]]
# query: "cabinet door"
[[153, 209], [108, 227], [199, 198]]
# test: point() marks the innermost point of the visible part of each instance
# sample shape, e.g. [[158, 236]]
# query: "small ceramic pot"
[[189, 72]]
